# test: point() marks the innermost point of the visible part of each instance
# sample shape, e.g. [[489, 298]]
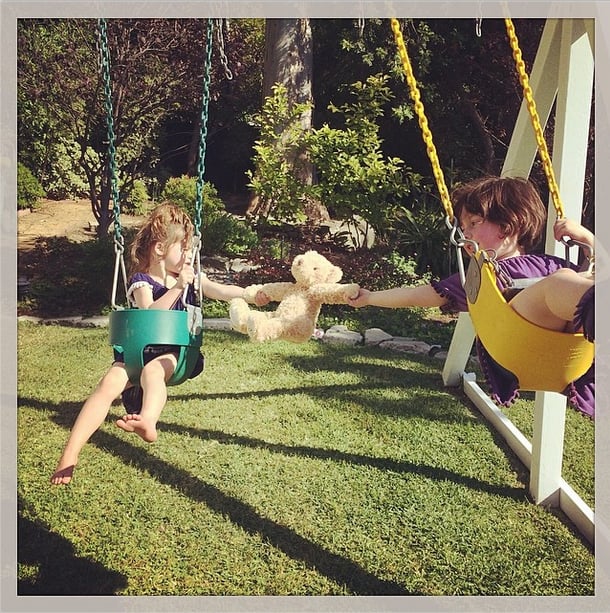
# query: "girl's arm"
[[220, 291], [399, 297]]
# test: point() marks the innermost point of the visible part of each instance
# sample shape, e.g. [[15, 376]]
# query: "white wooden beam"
[[543, 80]]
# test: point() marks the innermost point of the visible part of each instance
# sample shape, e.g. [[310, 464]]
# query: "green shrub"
[[29, 189], [278, 159], [225, 234], [183, 192], [420, 233], [135, 200], [355, 178], [222, 233]]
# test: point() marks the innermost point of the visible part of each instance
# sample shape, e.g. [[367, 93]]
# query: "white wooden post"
[[574, 86], [547, 448], [459, 351]]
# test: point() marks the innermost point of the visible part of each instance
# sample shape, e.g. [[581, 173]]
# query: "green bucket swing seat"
[[132, 330]]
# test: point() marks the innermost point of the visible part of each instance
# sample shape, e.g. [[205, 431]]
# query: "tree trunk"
[[289, 61]]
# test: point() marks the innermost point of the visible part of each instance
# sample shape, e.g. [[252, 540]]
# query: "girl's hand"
[[261, 299], [572, 229], [186, 276], [362, 299]]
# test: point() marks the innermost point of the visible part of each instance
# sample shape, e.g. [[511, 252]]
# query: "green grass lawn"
[[285, 469]]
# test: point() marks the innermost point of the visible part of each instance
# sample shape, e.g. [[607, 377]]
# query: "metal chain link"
[[423, 121], [112, 166], [531, 107], [204, 128], [221, 47]]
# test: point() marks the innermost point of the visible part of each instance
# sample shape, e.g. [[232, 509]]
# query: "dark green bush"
[[29, 189], [222, 233], [135, 200]]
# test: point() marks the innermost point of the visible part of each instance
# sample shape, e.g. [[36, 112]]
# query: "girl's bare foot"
[[135, 423], [63, 476]]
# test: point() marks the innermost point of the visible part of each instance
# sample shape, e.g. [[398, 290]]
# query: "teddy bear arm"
[[335, 293], [277, 291]]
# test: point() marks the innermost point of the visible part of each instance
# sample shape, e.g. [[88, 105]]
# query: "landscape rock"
[[375, 336], [341, 334], [408, 345]]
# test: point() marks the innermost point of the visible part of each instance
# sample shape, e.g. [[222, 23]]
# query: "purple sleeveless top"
[[141, 279], [504, 385]]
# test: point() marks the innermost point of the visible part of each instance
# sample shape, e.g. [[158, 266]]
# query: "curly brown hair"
[[511, 202], [166, 224]]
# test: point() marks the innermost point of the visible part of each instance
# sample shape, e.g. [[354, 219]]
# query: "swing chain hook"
[[477, 27], [458, 239], [587, 250]]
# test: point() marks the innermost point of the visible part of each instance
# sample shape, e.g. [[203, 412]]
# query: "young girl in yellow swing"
[[506, 215], [161, 272]]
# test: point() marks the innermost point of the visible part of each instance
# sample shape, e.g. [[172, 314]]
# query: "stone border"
[[338, 334]]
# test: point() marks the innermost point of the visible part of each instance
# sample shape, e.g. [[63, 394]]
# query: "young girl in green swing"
[[161, 271]]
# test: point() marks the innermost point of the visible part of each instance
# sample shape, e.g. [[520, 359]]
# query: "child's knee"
[[565, 275], [161, 367]]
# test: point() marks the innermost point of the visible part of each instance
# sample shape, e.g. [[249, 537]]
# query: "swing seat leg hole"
[[132, 400]]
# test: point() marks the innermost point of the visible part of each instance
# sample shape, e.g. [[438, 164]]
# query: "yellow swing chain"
[[423, 121], [531, 107]]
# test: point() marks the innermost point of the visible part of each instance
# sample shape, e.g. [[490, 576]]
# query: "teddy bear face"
[[311, 267]]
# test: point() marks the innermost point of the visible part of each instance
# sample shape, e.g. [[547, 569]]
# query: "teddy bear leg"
[[262, 327], [238, 313]]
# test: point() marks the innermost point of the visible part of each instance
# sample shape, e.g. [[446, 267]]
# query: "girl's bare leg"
[[551, 303], [153, 380], [90, 418]]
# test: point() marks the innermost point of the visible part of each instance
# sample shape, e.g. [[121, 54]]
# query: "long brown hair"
[[511, 202], [166, 224]]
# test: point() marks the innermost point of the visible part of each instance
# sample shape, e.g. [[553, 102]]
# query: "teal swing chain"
[[119, 241], [203, 132]]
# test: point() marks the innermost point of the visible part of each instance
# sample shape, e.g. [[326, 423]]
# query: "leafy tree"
[[156, 70], [55, 125], [355, 178]]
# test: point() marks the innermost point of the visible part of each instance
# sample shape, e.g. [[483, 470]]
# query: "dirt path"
[[69, 218]]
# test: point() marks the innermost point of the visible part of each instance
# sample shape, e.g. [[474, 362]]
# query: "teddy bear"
[[316, 283]]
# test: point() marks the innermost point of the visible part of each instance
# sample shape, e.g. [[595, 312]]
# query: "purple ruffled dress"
[[504, 385]]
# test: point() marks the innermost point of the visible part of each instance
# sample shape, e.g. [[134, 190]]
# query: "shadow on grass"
[[59, 571], [335, 567], [384, 464], [67, 415]]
